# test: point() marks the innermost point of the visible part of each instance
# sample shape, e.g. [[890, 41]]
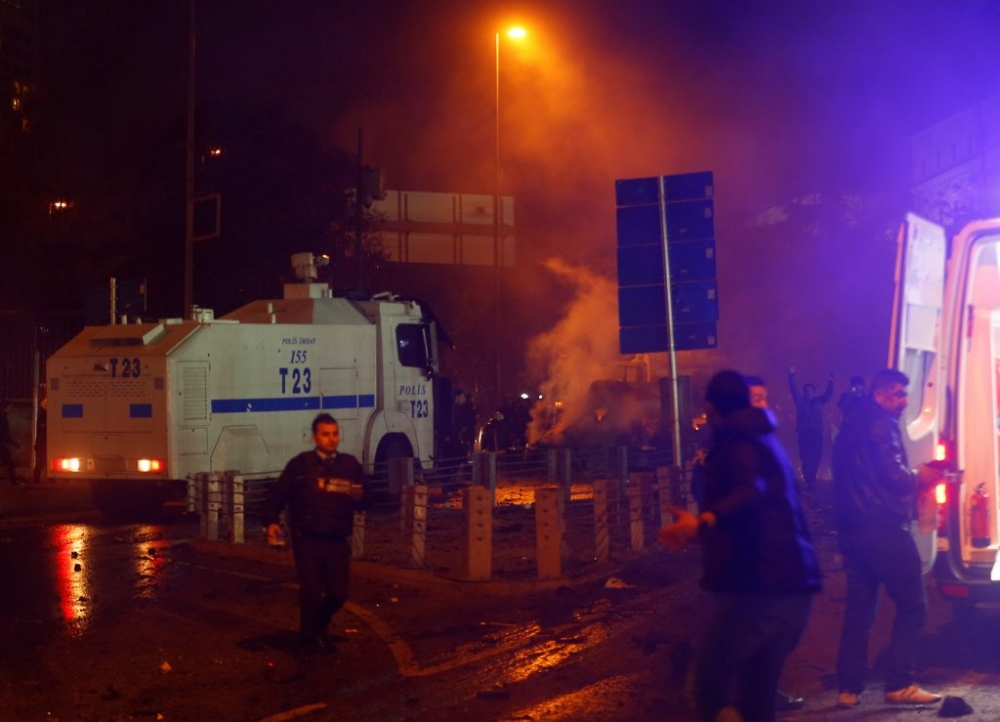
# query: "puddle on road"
[[73, 580], [83, 574]]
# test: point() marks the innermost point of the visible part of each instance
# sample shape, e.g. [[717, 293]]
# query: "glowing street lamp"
[[514, 33]]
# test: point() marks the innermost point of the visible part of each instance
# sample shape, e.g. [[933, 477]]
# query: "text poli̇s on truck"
[[946, 338], [137, 409]]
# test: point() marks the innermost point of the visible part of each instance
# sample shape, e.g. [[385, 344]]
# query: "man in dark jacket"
[[853, 399], [5, 441], [875, 490], [322, 489], [757, 557]]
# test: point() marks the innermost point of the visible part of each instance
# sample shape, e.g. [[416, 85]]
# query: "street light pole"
[[513, 33], [497, 207], [189, 171]]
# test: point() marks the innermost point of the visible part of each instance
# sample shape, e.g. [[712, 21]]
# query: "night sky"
[[783, 100]]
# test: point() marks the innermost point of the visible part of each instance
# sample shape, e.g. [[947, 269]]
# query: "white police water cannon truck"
[[139, 408]]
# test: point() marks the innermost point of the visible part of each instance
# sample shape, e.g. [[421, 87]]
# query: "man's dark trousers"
[[323, 567], [747, 631], [875, 556], [810, 452]]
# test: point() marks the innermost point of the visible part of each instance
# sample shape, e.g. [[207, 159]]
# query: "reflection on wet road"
[[70, 546], [61, 578]]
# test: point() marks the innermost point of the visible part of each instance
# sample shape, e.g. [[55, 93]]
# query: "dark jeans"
[[810, 451], [323, 569], [875, 557], [743, 651]]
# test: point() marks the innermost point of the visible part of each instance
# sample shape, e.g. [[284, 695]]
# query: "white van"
[[946, 337]]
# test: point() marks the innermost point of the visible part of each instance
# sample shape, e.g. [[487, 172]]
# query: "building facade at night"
[[956, 166], [18, 22]]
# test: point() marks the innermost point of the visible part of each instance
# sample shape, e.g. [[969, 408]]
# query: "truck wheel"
[[389, 448], [126, 500]]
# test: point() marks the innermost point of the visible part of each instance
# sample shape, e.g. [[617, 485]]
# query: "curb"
[[44, 498]]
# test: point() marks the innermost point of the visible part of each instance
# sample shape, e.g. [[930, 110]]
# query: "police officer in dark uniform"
[[322, 489]]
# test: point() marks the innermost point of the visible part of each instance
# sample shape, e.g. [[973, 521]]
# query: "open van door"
[[915, 345]]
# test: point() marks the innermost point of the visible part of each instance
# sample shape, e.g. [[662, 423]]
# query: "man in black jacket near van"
[[874, 505], [322, 489]]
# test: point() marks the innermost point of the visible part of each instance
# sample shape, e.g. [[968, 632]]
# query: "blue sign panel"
[[642, 306], [694, 302], [690, 221], [641, 266], [638, 225], [681, 208], [637, 191], [643, 339], [690, 262], [694, 336], [688, 186]]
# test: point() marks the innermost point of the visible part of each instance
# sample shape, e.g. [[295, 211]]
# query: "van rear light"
[[940, 451], [941, 503], [69, 464], [941, 494], [147, 466]]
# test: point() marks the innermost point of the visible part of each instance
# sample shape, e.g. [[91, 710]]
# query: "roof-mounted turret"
[[305, 266]]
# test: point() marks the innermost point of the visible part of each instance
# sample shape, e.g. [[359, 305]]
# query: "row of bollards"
[[219, 499], [550, 521]]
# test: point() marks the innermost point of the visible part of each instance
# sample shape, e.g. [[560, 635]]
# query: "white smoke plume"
[[581, 348]]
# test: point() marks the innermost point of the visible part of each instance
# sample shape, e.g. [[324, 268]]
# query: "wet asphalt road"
[[132, 622], [121, 622]]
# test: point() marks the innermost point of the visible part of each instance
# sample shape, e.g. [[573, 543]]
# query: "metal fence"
[[544, 515]]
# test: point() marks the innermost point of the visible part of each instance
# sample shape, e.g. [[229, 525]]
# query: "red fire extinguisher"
[[979, 517]]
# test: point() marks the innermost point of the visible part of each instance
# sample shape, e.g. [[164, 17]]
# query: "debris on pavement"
[[617, 583]]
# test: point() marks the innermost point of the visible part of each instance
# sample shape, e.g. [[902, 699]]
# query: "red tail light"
[[941, 451], [941, 494], [150, 466], [66, 464]]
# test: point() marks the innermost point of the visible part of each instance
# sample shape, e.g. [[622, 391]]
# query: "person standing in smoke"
[[809, 425], [853, 399], [757, 560], [465, 422], [783, 702], [6, 458], [41, 438]]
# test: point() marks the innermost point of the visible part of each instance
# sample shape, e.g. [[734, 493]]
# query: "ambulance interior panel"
[[979, 411]]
